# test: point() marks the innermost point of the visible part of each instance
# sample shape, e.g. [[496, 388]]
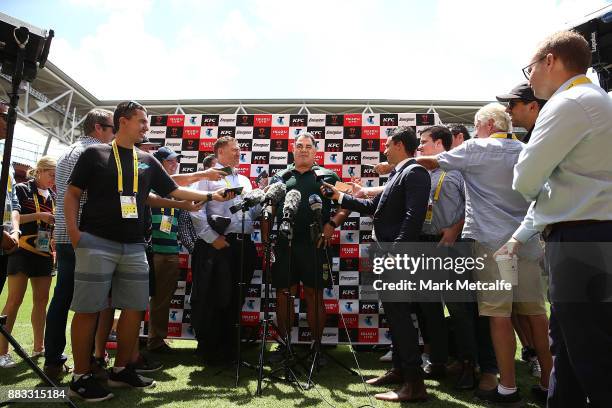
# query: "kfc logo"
[[368, 307], [351, 158], [210, 120], [317, 132], [245, 145], [260, 158], [349, 292], [388, 119], [226, 131], [351, 223], [298, 120], [333, 146]]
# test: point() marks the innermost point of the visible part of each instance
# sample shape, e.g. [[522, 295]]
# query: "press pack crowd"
[[111, 214]]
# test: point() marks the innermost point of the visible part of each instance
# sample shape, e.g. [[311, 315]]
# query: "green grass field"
[[185, 381]]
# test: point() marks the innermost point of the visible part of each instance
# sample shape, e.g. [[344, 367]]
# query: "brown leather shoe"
[[488, 382], [390, 377], [412, 391]]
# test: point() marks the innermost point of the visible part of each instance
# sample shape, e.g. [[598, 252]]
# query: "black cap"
[[165, 153], [522, 91], [146, 141]]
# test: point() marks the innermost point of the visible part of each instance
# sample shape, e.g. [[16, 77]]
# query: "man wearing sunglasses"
[[567, 174], [523, 107], [109, 244]]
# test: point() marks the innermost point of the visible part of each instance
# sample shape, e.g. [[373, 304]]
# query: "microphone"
[[251, 199], [262, 175], [287, 176], [316, 205], [290, 209], [275, 193], [319, 175]]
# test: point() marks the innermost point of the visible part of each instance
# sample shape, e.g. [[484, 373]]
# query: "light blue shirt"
[[200, 218], [566, 168], [493, 211]]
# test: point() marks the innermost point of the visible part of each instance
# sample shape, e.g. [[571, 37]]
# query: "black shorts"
[[305, 265], [32, 265]]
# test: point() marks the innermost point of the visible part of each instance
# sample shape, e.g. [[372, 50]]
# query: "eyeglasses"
[[527, 70], [104, 126]]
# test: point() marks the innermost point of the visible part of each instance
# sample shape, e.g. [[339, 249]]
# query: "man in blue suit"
[[398, 213]]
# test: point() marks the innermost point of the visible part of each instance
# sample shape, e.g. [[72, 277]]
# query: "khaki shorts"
[[527, 298]]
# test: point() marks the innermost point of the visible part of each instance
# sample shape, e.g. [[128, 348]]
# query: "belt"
[[550, 227], [237, 235]]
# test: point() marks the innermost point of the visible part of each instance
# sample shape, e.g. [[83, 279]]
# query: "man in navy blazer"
[[398, 213]]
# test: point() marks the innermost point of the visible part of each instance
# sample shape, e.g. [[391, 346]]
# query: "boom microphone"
[[251, 199], [290, 209]]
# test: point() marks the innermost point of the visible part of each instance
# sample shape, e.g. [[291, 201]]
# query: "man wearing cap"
[[165, 259], [492, 212], [523, 107]]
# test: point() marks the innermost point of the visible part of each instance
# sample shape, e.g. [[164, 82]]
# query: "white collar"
[[566, 84], [399, 165]]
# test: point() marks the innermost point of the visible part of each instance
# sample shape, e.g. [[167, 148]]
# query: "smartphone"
[[227, 170], [236, 190]]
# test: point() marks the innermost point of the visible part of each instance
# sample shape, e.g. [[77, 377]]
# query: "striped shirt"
[[65, 164], [164, 242]]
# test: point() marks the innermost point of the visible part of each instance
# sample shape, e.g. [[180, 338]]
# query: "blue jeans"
[[57, 314]]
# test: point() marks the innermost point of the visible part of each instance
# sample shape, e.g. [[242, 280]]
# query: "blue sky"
[[171, 49]]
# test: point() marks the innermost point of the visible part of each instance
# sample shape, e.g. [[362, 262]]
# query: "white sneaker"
[[387, 357], [36, 354], [6, 361], [425, 360], [534, 368]]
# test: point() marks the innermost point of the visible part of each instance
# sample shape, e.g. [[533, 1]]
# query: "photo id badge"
[[42, 241], [429, 214], [128, 207], [166, 224]]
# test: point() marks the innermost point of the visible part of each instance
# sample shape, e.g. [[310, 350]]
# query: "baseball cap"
[[165, 153], [146, 141], [522, 91]]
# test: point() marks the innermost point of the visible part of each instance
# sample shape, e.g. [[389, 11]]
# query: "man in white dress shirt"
[[216, 259], [566, 172]]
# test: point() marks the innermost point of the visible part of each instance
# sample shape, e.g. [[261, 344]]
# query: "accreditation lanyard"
[[436, 197], [43, 236], [128, 203], [503, 136], [166, 221], [578, 81]]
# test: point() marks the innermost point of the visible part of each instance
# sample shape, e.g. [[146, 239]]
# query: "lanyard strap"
[[37, 205], [163, 211], [578, 81], [503, 136], [120, 170], [439, 186]]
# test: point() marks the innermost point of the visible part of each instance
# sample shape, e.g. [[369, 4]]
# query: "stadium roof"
[[55, 105]]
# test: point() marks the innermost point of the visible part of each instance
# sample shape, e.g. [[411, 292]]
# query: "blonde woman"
[[33, 260]]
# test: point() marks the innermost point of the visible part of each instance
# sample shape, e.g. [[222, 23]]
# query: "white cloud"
[[315, 49]]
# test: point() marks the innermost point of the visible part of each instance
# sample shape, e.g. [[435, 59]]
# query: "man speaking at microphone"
[[398, 214], [299, 264], [216, 258]]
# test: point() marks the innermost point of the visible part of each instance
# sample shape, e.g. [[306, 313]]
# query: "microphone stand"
[[316, 232], [290, 376], [240, 301]]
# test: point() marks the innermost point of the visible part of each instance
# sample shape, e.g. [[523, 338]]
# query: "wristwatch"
[[17, 231], [209, 197]]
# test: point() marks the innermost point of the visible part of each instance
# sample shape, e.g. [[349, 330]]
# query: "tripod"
[[288, 361], [8, 145], [316, 351]]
